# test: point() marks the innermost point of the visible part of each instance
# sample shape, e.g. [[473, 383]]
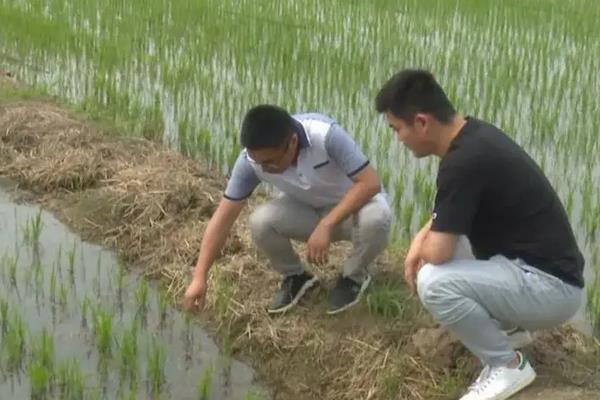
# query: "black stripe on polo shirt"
[[357, 170], [237, 198], [324, 163]]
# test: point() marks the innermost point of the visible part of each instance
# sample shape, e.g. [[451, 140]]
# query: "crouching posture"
[[528, 271], [328, 192]]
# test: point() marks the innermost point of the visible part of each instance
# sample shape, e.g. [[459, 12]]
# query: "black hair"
[[412, 91], [266, 126]]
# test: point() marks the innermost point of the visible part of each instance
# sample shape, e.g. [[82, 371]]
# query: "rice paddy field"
[[75, 325], [191, 69]]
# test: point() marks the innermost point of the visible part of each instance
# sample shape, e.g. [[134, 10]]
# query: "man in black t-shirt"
[[528, 271]]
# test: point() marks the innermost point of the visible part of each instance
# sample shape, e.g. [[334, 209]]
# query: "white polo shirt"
[[328, 157]]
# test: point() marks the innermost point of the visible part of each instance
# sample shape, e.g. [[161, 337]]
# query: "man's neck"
[[447, 133]]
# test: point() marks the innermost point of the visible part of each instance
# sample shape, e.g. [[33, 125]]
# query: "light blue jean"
[[477, 299]]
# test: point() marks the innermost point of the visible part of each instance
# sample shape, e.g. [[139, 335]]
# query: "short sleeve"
[[243, 180], [459, 192], [343, 150]]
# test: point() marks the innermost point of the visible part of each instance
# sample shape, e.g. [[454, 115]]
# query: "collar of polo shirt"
[[303, 140]]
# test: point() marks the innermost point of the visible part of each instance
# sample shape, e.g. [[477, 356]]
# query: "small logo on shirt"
[[434, 215]]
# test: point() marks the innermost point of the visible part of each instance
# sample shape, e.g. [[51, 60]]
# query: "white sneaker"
[[518, 338], [500, 383]]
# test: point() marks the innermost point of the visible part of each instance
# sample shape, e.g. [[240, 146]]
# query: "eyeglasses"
[[272, 164]]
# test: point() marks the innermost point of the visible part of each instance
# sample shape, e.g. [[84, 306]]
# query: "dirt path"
[[151, 205]]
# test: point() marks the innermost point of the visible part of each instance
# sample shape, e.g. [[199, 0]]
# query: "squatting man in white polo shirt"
[[329, 192]]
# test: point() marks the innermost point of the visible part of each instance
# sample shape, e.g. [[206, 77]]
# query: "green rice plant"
[[70, 380], [3, 315], [141, 296], [38, 279], [154, 368], [224, 290], [59, 255], [33, 229], [128, 354], [205, 383], [226, 358], [63, 294], [71, 262], [11, 265], [163, 303], [593, 302], [52, 287], [41, 365], [43, 351], [40, 379], [407, 216], [131, 394], [14, 342], [85, 306], [103, 331]]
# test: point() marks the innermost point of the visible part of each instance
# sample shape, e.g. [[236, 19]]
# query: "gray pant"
[[273, 224], [476, 299]]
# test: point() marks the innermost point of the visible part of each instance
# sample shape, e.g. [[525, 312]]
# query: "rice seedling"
[[40, 379], [85, 306], [52, 284], [63, 294], [128, 353], [3, 315], [224, 290], [38, 279], [103, 331], [14, 342], [407, 216], [593, 302], [131, 394], [71, 262], [41, 365], [33, 229], [226, 358], [163, 303], [141, 297], [205, 383], [154, 368], [11, 264], [70, 380]]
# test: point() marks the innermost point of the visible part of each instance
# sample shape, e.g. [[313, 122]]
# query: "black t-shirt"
[[489, 189]]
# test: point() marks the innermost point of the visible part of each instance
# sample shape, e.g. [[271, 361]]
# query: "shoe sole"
[[363, 287], [307, 285], [517, 389]]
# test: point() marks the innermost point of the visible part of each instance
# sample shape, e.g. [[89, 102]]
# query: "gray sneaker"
[[291, 291], [346, 294]]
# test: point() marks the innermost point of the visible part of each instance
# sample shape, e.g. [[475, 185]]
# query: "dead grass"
[[151, 205]]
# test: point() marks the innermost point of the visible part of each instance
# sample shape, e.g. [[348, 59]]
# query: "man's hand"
[[195, 295], [412, 265], [317, 246]]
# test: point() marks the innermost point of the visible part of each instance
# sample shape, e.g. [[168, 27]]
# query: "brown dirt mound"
[[151, 205]]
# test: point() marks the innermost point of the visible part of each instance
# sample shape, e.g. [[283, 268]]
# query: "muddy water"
[[47, 281]]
